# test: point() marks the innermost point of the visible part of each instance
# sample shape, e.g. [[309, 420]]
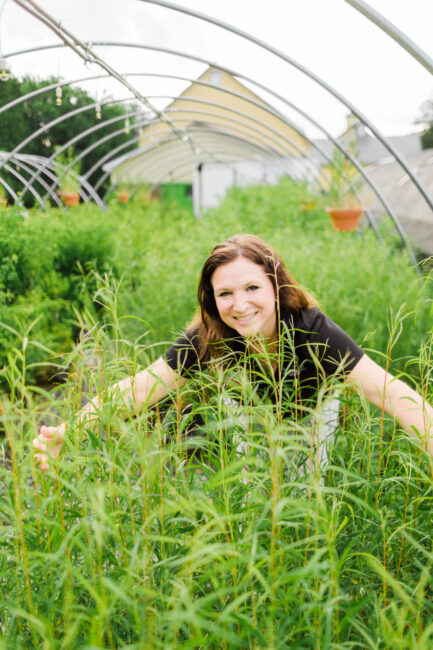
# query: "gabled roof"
[[216, 119]]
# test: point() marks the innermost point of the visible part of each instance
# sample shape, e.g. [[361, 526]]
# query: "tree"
[[21, 121], [426, 118]]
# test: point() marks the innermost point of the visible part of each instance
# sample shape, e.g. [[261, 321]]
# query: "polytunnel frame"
[[35, 161], [244, 144], [21, 178], [75, 44], [335, 93], [64, 147], [39, 164], [32, 161], [240, 144], [387, 207], [264, 107], [99, 125], [347, 154], [280, 162], [268, 109], [203, 113], [119, 118]]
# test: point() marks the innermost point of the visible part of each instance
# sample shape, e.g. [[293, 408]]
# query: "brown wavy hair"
[[289, 295]]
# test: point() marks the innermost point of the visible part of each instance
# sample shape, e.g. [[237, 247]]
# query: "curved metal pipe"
[[106, 122], [376, 191], [396, 34], [353, 109], [8, 188], [63, 148], [264, 107], [27, 166], [372, 185], [206, 114], [21, 178], [169, 140], [33, 162]]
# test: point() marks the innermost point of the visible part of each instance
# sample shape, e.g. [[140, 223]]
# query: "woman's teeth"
[[245, 318]]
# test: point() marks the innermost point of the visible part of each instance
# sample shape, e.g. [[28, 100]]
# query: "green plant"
[[3, 196], [345, 180], [144, 535], [68, 181], [45, 280], [147, 534], [24, 119]]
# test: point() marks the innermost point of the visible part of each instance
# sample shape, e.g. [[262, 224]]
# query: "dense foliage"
[[49, 264], [147, 534], [37, 115], [426, 118], [45, 276]]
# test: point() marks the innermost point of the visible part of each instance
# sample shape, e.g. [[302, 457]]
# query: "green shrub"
[[158, 250], [48, 268], [15, 265]]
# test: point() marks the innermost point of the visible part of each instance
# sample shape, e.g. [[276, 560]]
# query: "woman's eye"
[[224, 294], [252, 287]]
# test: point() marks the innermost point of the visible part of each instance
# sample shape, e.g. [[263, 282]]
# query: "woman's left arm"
[[395, 397]]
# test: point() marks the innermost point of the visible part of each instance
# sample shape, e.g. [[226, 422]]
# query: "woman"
[[249, 304]]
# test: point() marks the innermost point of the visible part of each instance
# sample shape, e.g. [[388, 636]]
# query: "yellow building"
[[215, 120]]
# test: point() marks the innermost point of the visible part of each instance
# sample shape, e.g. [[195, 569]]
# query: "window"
[[215, 77]]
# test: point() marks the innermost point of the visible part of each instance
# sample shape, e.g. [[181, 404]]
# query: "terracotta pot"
[[123, 197], [345, 218], [70, 198]]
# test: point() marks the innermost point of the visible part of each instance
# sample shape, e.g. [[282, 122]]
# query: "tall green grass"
[[146, 535], [143, 537]]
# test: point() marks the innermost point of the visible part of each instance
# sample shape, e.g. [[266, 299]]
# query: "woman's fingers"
[[42, 459], [49, 442]]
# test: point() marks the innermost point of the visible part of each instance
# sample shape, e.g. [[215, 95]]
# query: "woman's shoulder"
[[306, 319], [184, 353]]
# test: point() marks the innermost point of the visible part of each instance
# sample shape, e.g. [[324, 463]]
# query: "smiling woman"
[[252, 310]]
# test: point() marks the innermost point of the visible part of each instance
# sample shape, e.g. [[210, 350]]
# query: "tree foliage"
[[426, 118], [34, 114]]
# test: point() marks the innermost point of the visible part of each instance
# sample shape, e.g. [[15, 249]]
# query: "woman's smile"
[[245, 319]]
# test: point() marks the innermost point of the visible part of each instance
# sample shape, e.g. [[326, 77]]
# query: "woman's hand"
[[49, 442]]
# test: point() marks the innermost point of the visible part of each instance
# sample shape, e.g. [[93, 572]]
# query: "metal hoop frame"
[[288, 103], [361, 6]]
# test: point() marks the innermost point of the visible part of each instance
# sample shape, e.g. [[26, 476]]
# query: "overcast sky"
[[328, 37]]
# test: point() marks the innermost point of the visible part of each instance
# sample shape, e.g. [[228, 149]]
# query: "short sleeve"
[[183, 355], [328, 344]]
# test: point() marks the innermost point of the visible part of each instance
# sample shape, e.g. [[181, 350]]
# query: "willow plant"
[[210, 521]]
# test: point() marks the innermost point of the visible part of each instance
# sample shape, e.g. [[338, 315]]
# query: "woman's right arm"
[[146, 387]]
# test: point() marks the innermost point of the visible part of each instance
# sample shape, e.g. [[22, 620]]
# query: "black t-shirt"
[[313, 348]]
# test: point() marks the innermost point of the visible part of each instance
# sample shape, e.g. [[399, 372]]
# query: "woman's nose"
[[239, 302]]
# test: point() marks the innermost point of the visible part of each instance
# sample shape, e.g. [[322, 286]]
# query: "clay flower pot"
[[345, 218], [70, 198], [123, 197]]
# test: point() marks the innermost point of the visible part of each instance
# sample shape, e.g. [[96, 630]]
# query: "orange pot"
[[123, 197], [70, 198], [345, 218]]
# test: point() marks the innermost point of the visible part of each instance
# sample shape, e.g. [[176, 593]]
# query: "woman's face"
[[245, 298]]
